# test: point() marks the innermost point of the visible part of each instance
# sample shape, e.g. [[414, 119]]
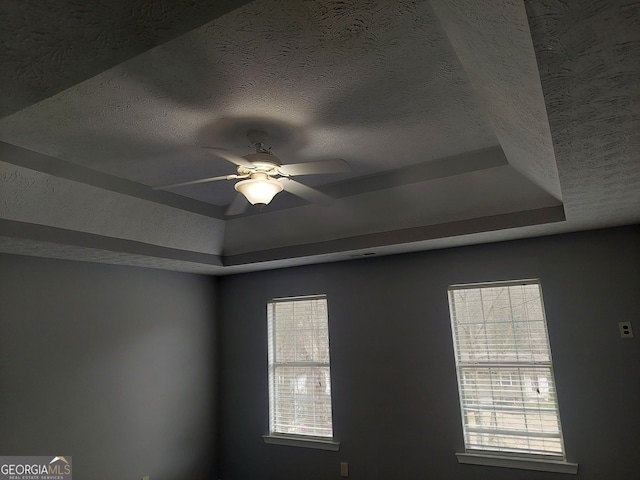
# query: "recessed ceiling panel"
[[440, 108], [376, 83]]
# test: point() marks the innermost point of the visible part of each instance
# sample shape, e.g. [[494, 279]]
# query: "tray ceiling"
[[461, 123]]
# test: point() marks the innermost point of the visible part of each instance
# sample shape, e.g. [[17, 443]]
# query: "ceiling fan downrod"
[[258, 139]]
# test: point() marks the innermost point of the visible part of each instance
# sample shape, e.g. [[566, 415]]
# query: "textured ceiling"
[[50, 45], [462, 121], [319, 74]]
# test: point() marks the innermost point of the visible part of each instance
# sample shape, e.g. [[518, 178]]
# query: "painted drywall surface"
[[34, 197], [508, 89], [60, 52], [588, 71], [395, 396], [112, 365]]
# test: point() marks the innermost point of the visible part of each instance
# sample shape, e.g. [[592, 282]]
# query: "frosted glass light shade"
[[259, 190]]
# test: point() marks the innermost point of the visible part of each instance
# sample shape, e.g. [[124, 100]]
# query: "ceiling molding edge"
[[48, 241], [61, 236], [22, 157], [403, 236], [431, 170]]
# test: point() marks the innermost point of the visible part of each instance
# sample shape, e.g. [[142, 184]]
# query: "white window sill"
[[318, 443], [540, 465]]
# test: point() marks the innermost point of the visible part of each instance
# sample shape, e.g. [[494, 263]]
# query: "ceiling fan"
[[262, 176]]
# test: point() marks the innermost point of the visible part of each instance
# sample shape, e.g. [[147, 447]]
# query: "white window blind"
[[299, 373], [505, 376]]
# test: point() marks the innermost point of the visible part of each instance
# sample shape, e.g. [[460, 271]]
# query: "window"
[[505, 376], [299, 373]]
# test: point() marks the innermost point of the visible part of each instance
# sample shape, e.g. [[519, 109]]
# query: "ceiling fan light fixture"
[[260, 190]]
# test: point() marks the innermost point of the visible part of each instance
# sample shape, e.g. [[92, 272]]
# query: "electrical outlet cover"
[[625, 329]]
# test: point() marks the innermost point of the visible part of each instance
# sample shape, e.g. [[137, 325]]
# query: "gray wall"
[[393, 375], [112, 365], [117, 366]]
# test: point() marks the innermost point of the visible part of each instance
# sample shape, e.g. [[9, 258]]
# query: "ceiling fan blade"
[[238, 206], [310, 168], [194, 182], [231, 157], [310, 194]]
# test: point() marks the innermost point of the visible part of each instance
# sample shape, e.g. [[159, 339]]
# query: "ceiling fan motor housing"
[[262, 163]]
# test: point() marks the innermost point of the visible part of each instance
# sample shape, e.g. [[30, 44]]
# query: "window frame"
[[500, 458], [285, 438]]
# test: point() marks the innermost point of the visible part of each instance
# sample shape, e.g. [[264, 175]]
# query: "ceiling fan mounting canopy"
[[257, 137]]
